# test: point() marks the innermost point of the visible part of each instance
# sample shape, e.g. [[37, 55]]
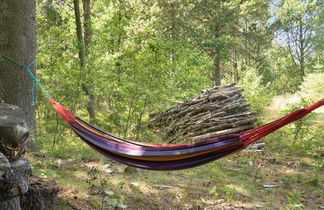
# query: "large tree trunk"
[[17, 40]]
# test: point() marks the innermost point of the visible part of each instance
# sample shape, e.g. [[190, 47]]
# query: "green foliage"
[[229, 193], [293, 201], [315, 179], [226, 192], [147, 55], [99, 185], [284, 76], [287, 181], [302, 131], [256, 93], [312, 87]]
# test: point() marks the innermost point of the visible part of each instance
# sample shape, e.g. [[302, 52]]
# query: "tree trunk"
[[79, 32], [17, 40], [302, 51], [87, 26], [83, 48], [234, 66], [217, 72]]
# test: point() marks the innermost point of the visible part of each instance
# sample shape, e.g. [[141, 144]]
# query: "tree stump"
[[16, 188], [13, 131], [217, 111], [41, 194]]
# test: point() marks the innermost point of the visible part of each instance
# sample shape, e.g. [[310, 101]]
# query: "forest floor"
[[264, 179], [248, 180], [280, 176]]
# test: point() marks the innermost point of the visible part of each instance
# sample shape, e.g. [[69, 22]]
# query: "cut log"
[[222, 133], [215, 112]]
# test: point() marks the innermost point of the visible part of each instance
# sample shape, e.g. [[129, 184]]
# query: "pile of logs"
[[215, 112]]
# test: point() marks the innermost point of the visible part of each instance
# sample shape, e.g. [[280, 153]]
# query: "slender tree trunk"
[[302, 51], [135, 97], [83, 46], [87, 26], [173, 34], [79, 32], [17, 40], [139, 124], [217, 72], [87, 43], [234, 66]]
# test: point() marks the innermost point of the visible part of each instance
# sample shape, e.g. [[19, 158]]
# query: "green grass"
[[236, 180], [232, 181]]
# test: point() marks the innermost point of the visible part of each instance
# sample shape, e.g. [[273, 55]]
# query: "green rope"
[[31, 75]]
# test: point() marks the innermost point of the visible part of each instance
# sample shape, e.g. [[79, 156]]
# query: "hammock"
[[166, 156], [172, 156]]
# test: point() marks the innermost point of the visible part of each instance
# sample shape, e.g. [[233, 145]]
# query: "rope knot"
[[31, 75]]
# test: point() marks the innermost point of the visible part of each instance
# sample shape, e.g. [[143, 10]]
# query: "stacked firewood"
[[215, 112]]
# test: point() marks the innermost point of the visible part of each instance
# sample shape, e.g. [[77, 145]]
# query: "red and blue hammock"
[[172, 156], [165, 156]]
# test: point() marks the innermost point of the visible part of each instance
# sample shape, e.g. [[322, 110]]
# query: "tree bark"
[[79, 32], [83, 49], [302, 51], [17, 40], [87, 26], [217, 72], [234, 66]]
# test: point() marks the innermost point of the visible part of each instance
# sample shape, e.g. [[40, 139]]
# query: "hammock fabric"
[[172, 156]]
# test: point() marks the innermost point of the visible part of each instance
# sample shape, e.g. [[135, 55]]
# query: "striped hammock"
[[163, 156], [172, 156]]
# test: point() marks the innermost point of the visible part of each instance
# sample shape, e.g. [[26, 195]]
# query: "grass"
[[89, 181], [228, 183]]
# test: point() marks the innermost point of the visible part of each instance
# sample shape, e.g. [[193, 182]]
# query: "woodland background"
[[113, 62]]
